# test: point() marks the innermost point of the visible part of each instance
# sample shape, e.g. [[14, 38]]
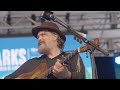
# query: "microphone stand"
[[72, 31], [93, 64]]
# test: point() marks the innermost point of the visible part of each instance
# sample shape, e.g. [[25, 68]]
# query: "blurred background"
[[17, 44]]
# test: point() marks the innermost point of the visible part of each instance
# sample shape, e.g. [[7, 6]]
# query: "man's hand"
[[61, 71]]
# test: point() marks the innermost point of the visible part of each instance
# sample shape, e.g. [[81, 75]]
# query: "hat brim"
[[36, 30]]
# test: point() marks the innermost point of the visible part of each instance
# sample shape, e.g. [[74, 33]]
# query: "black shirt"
[[33, 63]]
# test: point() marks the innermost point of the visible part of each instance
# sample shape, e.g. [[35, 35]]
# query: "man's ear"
[[55, 36]]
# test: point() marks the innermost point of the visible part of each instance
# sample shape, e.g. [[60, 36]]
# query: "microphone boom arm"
[[52, 17]]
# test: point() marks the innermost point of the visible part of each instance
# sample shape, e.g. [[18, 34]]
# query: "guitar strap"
[[78, 65]]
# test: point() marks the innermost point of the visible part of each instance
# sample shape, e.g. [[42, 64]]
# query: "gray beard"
[[43, 50]]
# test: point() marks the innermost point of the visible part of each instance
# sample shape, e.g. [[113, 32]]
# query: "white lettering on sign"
[[22, 54], [12, 59], [6, 57]]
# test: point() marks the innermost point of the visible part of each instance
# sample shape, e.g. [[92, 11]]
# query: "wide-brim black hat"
[[50, 26]]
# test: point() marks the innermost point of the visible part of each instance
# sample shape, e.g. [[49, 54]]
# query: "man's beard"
[[43, 49]]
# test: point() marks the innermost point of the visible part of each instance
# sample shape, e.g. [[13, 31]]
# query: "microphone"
[[42, 19], [48, 15]]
